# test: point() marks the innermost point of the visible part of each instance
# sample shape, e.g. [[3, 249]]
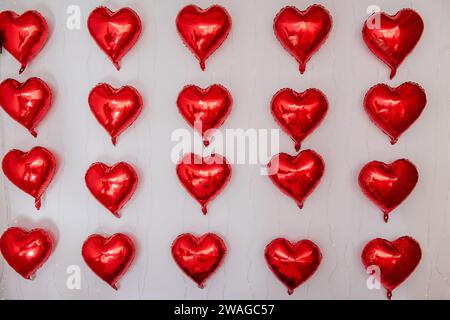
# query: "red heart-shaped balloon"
[[396, 260], [30, 171], [198, 257], [292, 263], [109, 258], [27, 102], [297, 176], [392, 38], [112, 186], [299, 114], [203, 30], [26, 251], [24, 35], [388, 185], [394, 110], [204, 109], [302, 33], [203, 177], [114, 32], [115, 109]]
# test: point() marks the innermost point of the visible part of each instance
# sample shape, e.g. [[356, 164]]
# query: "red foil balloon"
[[203, 31], [299, 114], [24, 35], [114, 32], [392, 38], [115, 109], [26, 251], [204, 178], [388, 185], [302, 33], [291, 263], [396, 260], [112, 186], [207, 108], [198, 257], [297, 176], [394, 110], [27, 102], [30, 171], [109, 258]]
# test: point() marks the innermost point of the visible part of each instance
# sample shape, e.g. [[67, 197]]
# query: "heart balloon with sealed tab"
[[299, 114], [388, 185], [115, 109], [297, 176], [23, 35], [292, 263], [27, 102], [395, 260], [30, 171], [203, 177], [114, 32], [198, 257], [302, 33], [394, 110], [392, 38], [109, 257], [112, 186], [203, 30], [205, 109], [26, 251]]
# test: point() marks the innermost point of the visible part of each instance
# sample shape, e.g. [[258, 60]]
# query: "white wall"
[[251, 211]]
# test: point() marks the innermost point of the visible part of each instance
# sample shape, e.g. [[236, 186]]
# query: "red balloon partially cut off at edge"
[[30, 171], [27, 102], [23, 36], [26, 251]]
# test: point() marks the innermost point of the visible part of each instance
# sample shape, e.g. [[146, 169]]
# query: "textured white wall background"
[[251, 211]]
